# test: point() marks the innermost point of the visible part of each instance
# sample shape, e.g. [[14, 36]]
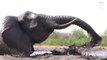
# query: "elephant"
[[23, 31]]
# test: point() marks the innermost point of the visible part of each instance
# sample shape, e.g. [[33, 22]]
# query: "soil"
[[46, 57]]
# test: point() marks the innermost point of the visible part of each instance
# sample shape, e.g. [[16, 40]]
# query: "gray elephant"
[[22, 32]]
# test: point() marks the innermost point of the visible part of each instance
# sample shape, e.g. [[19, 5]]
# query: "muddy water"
[[95, 53], [62, 54], [90, 53]]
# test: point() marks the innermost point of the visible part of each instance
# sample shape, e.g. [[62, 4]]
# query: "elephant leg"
[[14, 37], [95, 37]]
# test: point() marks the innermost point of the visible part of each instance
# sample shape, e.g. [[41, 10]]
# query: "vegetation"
[[104, 36], [78, 37]]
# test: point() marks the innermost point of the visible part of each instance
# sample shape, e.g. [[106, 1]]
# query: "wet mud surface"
[[50, 57], [98, 53], [63, 53]]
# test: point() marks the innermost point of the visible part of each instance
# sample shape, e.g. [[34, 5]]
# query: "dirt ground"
[[47, 57]]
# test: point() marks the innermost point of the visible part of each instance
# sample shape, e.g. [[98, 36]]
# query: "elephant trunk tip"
[[97, 39]]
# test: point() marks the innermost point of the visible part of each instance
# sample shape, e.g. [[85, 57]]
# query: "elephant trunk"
[[60, 22], [95, 37], [65, 21], [61, 26], [66, 24]]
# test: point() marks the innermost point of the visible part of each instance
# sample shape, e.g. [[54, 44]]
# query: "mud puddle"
[[89, 53], [63, 53], [98, 53]]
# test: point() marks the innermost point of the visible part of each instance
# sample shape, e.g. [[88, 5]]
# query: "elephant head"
[[53, 22]]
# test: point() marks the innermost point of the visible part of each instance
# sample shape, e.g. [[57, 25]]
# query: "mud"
[[85, 52], [91, 53], [95, 53], [50, 57], [63, 53]]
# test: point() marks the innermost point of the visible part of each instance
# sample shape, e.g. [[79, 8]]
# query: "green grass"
[[69, 41], [77, 38], [55, 41], [65, 41], [104, 42], [74, 41]]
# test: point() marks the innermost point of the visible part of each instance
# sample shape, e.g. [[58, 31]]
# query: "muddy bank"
[[51, 57], [63, 53], [88, 53], [98, 53]]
